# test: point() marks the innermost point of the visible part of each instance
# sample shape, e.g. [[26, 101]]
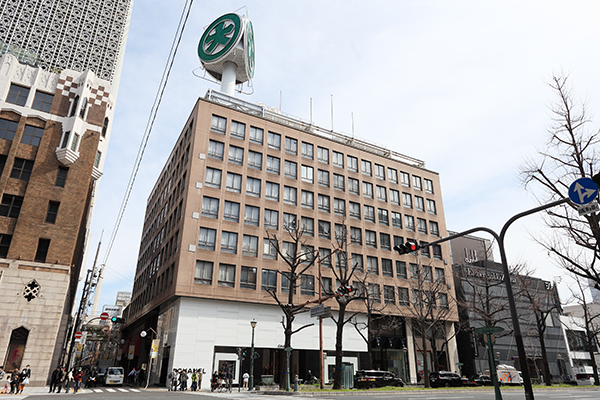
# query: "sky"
[[461, 85]]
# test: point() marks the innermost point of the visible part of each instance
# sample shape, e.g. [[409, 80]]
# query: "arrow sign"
[[583, 191]]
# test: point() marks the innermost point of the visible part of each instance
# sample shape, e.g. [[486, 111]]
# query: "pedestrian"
[[183, 379], [141, 377], [200, 374], [6, 385], [132, 375], [77, 380], [68, 380], [23, 379], [172, 378], [14, 381], [194, 381], [1, 373], [246, 377], [54, 379], [61, 378]]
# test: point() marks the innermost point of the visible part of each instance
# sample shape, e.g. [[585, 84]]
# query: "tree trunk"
[[590, 343], [339, 352], [547, 376], [424, 347]]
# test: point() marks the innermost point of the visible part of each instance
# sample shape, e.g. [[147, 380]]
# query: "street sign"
[[589, 208], [317, 311], [326, 313], [583, 191], [78, 335], [104, 316], [489, 329]]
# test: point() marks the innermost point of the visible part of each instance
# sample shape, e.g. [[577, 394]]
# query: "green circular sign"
[[250, 49], [220, 37]]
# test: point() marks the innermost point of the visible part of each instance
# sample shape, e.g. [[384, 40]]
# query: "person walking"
[[68, 380], [54, 380], [23, 380], [132, 375], [77, 380], [1, 373], [61, 378], [245, 377], [172, 378], [183, 379], [194, 381], [14, 381], [200, 373]]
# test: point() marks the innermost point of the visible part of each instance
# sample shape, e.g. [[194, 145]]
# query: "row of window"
[[22, 169], [248, 279], [274, 141], [32, 135], [11, 207], [40, 253]]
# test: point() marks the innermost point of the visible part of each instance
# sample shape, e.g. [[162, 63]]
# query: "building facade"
[[58, 71], [239, 172]]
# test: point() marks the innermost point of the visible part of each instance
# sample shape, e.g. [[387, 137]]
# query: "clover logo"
[[220, 37]]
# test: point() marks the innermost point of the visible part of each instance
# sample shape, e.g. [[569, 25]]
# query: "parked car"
[[445, 379], [482, 380], [114, 376], [584, 379], [372, 379]]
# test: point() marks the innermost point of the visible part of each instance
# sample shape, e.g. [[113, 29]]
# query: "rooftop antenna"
[[280, 96], [311, 110], [331, 113], [352, 114]]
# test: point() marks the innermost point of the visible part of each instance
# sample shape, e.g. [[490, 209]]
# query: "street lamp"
[[251, 383], [144, 334]]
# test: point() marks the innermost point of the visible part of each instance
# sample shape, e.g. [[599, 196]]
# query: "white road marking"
[[111, 390], [122, 390]]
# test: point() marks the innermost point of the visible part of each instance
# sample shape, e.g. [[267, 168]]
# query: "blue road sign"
[[583, 191]]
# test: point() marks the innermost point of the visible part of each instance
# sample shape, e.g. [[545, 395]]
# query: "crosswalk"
[[110, 390]]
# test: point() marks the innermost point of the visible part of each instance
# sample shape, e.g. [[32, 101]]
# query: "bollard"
[[296, 383]]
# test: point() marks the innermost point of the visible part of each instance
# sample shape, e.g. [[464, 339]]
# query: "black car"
[[445, 379], [482, 380], [373, 379]]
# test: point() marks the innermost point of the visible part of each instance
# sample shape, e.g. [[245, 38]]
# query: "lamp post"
[[251, 383], [144, 334]]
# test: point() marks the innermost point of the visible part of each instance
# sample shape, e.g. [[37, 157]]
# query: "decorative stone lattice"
[[31, 290], [59, 34]]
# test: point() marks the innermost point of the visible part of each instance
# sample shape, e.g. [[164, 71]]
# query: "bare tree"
[[571, 152]]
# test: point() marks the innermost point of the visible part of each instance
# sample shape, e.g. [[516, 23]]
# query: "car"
[[373, 379], [481, 380], [584, 379], [445, 379], [114, 376]]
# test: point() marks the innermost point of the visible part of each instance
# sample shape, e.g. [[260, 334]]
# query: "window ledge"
[[66, 156], [96, 173]]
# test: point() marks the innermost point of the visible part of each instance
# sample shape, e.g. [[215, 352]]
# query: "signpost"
[[78, 335], [104, 316], [489, 332], [583, 191]]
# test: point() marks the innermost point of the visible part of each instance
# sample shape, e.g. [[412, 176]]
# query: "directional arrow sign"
[[583, 191]]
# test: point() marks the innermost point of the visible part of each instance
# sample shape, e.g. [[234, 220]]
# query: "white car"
[[584, 379], [114, 376]]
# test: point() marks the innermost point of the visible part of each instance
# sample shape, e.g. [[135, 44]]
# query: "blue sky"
[[461, 85]]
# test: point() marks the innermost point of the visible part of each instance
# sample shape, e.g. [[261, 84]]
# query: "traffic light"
[[406, 248], [345, 290], [118, 320]]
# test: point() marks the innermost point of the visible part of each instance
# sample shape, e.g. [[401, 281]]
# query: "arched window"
[[74, 107], [104, 126], [83, 107], [16, 349]]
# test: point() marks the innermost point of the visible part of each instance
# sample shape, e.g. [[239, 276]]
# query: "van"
[[114, 376], [509, 375]]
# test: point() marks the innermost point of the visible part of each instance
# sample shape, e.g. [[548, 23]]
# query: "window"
[[369, 213], [250, 246], [428, 186], [324, 203], [238, 130], [326, 286], [248, 278], [83, 108], [353, 186], [417, 183], [269, 280], [433, 228], [229, 242], [291, 145], [218, 124], [271, 219], [269, 251], [213, 178], [409, 223], [255, 160], [367, 189], [443, 300], [366, 167], [386, 267], [352, 164], [354, 210], [42, 250], [337, 159], [323, 178], [289, 221], [379, 172], [210, 207], [396, 220], [324, 229], [97, 160], [425, 249], [370, 238], [61, 176], [436, 249], [407, 200], [403, 299], [234, 183], [405, 179], [253, 187], [308, 199], [308, 226], [307, 174], [307, 253], [422, 225], [385, 241], [394, 197], [256, 135], [274, 141], [340, 232], [42, 101], [357, 262], [74, 106], [291, 169], [11, 206], [52, 212], [289, 195], [356, 236], [307, 285], [32, 135], [204, 272], [323, 155], [440, 276], [325, 256], [236, 155], [307, 150], [21, 169], [392, 175], [401, 269], [384, 218], [414, 272], [17, 95], [231, 211], [273, 165], [74, 142], [339, 207], [427, 273], [272, 191], [7, 129], [215, 149], [286, 283], [419, 205], [431, 207], [389, 294], [207, 238], [251, 215], [381, 195], [372, 266], [226, 275], [338, 182], [374, 293]]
